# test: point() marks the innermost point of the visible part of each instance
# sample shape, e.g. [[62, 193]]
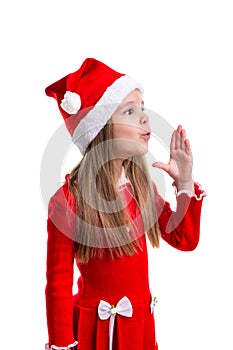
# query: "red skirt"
[[130, 333]]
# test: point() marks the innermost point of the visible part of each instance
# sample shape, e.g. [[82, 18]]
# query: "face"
[[131, 129]]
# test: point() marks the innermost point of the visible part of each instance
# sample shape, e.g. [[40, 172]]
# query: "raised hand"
[[180, 164]]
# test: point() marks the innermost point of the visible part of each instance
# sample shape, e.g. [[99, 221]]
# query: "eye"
[[129, 111]]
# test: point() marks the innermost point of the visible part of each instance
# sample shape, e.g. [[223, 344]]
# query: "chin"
[[126, 149], [140, 151]]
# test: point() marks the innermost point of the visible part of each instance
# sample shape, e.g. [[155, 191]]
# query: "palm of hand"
[[180, 164]]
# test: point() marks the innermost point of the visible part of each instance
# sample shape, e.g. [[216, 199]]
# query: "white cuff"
[[189, 193], [198, 196], [54, 347]]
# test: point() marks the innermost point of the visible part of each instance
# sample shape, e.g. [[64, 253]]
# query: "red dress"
[[76, 317]]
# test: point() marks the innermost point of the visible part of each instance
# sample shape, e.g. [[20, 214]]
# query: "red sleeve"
[[60, 259], [181, 228]]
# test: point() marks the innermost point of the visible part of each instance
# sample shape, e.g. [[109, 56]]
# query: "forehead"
[[133, 97]]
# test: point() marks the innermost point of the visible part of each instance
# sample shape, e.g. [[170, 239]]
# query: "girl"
[[100, 217]]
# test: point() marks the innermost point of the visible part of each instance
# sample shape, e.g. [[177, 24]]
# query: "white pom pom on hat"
[[88, 97], [71, 102]]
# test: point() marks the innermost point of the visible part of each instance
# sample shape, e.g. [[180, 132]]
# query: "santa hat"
[[88, 97]]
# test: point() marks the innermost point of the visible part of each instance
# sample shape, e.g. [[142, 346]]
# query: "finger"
[[179, 128], [188, 149], [178, 139], [182, 140], [173, 141], [161, 165], [183, 133]]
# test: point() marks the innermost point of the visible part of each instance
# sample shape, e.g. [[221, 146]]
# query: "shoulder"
[[63, 197], [62, 205], [61, 217]]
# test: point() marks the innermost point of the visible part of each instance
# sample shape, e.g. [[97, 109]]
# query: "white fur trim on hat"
[[96, 119]]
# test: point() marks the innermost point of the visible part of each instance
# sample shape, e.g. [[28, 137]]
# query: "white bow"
[[105, 310]]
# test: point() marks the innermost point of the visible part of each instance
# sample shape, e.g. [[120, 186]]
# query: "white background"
[[181, 51]]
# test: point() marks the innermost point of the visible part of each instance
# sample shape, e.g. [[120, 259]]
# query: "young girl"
[[100, 217]]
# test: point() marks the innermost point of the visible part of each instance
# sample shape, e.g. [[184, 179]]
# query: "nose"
[[144, 119]]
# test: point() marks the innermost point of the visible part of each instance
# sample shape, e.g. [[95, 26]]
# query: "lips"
[[146, 136]]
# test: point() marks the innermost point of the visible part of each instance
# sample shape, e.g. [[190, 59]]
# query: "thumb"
[[161, 165]]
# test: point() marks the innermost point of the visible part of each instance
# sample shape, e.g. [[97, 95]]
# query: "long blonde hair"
[[102, 220]]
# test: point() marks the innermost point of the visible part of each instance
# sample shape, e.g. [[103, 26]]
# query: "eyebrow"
[[134, 103]]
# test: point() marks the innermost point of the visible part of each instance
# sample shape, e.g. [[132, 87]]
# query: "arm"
[[60, 258], [181, 228]]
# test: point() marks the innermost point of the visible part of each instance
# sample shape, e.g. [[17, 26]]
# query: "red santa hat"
[[88, 97]]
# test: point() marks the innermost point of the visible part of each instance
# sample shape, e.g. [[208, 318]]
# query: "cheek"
[[124, 131]]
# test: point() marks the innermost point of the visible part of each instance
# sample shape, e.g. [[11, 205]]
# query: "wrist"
[[185, 185]]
